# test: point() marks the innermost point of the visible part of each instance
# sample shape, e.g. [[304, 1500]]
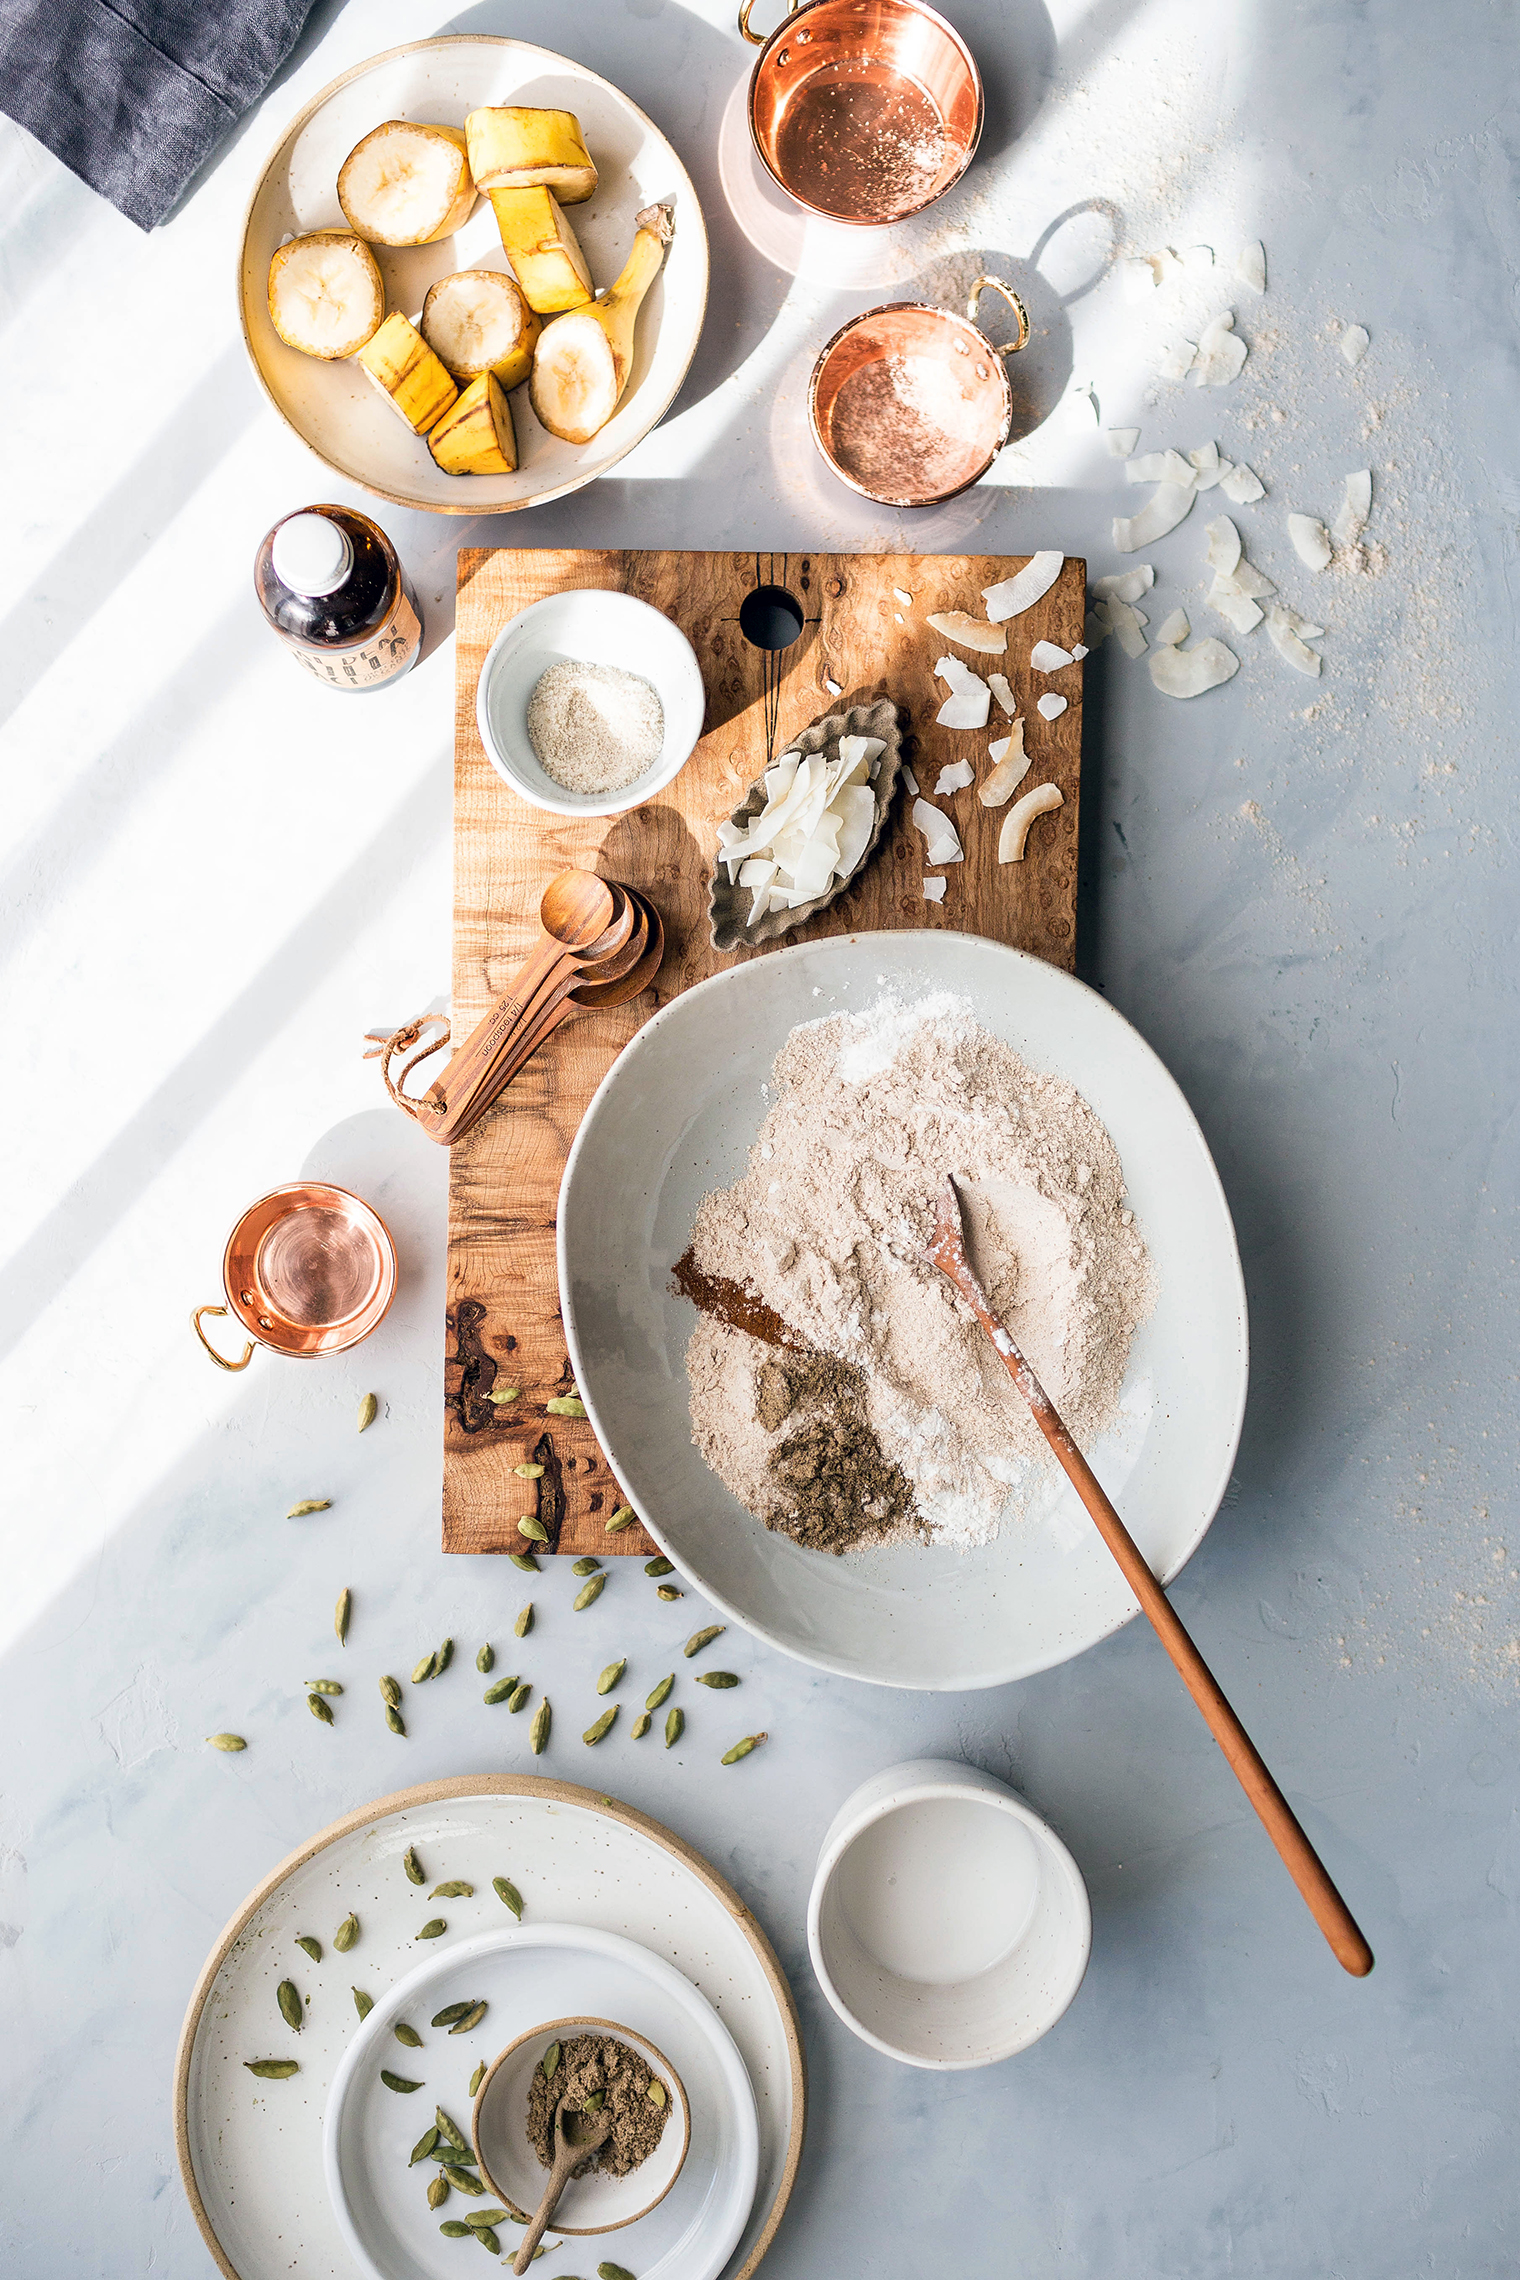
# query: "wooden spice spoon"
[[947, 1251], [569, 2153]]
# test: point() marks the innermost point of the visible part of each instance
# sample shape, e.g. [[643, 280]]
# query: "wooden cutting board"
[[863, 629]]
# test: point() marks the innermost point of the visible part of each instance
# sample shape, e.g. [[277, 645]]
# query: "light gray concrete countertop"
[[217, 876]]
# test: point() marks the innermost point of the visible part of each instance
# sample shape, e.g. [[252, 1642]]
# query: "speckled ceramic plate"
[[251, 2150]]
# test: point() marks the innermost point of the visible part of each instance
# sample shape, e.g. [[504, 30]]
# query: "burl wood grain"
[[504, 1325]]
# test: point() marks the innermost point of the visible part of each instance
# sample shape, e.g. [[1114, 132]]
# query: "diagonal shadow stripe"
[[54, 1253]]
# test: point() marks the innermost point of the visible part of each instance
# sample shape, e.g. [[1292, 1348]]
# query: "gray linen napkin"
[[135, 95]]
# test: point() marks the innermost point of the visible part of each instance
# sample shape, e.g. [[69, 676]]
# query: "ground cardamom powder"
[[588, 2064]]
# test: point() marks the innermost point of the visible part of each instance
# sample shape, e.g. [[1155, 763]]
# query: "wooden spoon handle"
[[538, 2223]]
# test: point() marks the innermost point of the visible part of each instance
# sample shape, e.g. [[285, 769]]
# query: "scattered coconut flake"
[[1247, 579], [898, 618], [1224, 545], [970, 632], [833, 687], [969, 700], [1356, 506], [1050, 706], [1177, 363], [910, 779], [1097, 627], [1188, 672], [1198, 258], [1355, 342], [1311, 541], [1284, 627], [1208, 467], [1160, 467], [998, 684], [1174, 627], [954, 777], [942, 842], [1019, 593], [1122, 441], [1241, 487], [905, 598], [1043, 800], [1168, 505], [1251, 266], [1238, 608], [934, 890], [1126, 585], [1140, 277], [1011, 765], [1049, 657], [1125, 622], [1078, 651], [1221, 352]]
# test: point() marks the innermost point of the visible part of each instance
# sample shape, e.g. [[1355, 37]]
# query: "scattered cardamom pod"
[[675, 1727], [443, 1658], [656, 2094], [227, 1741], [742, 1749], [452, 2229], [624, 1517], [723, 1678], [502, 1688], [449, 2013], [566, 1405], [461, 2179], [538, 1733], [479, 2219], [363, 2003], [425, 1668], [524, 1623], [424, 2145], [590, 1591], [701, 1639], [659, 1566], [520, 1695], [369, 1410], [602, 1726], [507, 1893], [412, 1866], [611, 1675], [640, 1726], [529, 1472], [477, 2077], [309, 1504], [452, 1891], [394, 1719], [272, 2069], [449, 2130], [550, 2061], [324, 1686], [289, 2000], [390, 1689], [524, 1560], [587, 1566], [533, 1528], [500, 1393], [397, 2081], [346, 1933], [341, 1613], [407, 2034], [609, 2271], [433, 1929], [489, 2240], [313, 1947], [595, 2102], [471, 2019], [438, 2191], [668, 1591], [485, 1658], [657, 1694], [319, 1708]]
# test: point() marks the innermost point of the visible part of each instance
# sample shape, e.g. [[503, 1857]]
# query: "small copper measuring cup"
[[910, 405], [864, 111], [309, 1269]]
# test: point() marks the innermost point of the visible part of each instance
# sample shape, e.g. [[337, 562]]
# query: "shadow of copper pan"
[[309, 1269], [864, 111]]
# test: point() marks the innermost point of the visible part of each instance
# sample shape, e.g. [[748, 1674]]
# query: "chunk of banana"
[[325, 294], [407, 373], [541, 246], [478, 321], [407, 184], [515, 148], [476, 436]]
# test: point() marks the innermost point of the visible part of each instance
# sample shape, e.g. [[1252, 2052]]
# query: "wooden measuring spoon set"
[[600, 944]]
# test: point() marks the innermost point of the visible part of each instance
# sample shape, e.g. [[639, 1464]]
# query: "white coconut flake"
[[905, 599], [1236, 608], [954, 777], [833, 687], [1050, 706], [1049, 657], [910, 779], [1174, 627], [1160, 467], [1122, 441], [1011, 764], [1224, 545], [1197, 260], [1355, 507], [1125, 622], [1311, 541], [1284, 628], [1168, 505], [1078, 652], [934, 890], [1221, 353], [1251, 266], [1242, 487], [1014, 595], [1208, 467], [1043, 800], [1097, 627], [970, 632], [1355, 342], [942, 842], [1177, 363], [998, 684], [1126, 585], [1140, 277], [1189, 672], [969, 700]]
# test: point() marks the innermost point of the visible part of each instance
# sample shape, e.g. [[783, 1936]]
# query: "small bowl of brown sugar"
[[592, 2067]]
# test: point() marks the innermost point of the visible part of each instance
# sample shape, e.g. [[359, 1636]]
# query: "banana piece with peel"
[[542, 247], [583, 359], [407, 373], [513, 147], [407, 184], [476, 435]]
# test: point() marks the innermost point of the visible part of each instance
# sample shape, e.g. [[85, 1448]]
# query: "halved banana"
[[406, 184], [541, 246], [325, 294], [407, 372], [582, 361], [515, 148], [477, 321], [476, 437]]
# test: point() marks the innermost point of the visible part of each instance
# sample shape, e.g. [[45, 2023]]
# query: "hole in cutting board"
[[770, 617]]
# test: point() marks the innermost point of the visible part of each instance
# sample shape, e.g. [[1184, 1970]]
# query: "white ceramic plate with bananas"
[[333, 406]]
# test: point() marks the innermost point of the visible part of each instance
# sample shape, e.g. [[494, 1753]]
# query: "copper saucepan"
[[864, 111], [910, 405], [309, 1269]]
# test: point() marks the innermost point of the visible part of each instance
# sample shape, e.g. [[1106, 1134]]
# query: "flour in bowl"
[[822, 1240]]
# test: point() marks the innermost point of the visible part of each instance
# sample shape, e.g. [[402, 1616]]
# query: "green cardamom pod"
[[412, 1866], [524, 1623], [452, 1891], [471, 2019], [538, 1733], [675, 1727], [656, 2094], [272, 2069], [524, 1560], [550, 2061], [657, 1694], [659, 1566], [485, 1658], [586, 1566], [424, 2145], [507, 1893], [640, 1726], [346, 1933], [461, 2179], [721, 1678], [479, 2219], [520, 1696], [590, 1591], [443, 1658], [489, 2240], [701, 1639], [425, 1668], [363, 2003], [477, 2077], [566, 1405], [309, 1504], [313, 1947], [433, 1929], [452, 2229], [529, 1472], [601, 1726], [611, 1675], [341, 1613], [369, 1410], [533, 1528], [610, 2271], [324, 1686], [502, 1688], [407, 2034], [449, 2013], [227, 1741], [624, 1517], [502, 1393], [319, 1708], [438, 2191], [742, 1749], [289, 2000], [668, 1591], [390, 1691], [397, 2081], [394, 1719], [450, 2131]]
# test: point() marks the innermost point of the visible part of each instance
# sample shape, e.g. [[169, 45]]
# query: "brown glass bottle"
[[331, 586]]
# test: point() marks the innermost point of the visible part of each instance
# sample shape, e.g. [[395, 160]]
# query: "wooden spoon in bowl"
[[592, 2130]]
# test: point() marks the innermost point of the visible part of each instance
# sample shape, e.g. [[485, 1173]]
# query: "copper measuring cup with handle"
[[308, 1270]]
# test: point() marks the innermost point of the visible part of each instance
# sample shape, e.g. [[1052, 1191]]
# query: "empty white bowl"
[[948, 1926], [591, 627]]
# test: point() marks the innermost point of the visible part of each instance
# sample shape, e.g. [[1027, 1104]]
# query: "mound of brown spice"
[[598, 2075]]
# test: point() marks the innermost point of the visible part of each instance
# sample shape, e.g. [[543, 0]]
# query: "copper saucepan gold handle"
[[220, 1359], [996, 285], [758, 39]]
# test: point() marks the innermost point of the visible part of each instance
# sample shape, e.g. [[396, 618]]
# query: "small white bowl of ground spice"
[[589, 702]]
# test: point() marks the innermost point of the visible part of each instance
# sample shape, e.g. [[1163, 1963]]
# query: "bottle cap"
[[311, 554]]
